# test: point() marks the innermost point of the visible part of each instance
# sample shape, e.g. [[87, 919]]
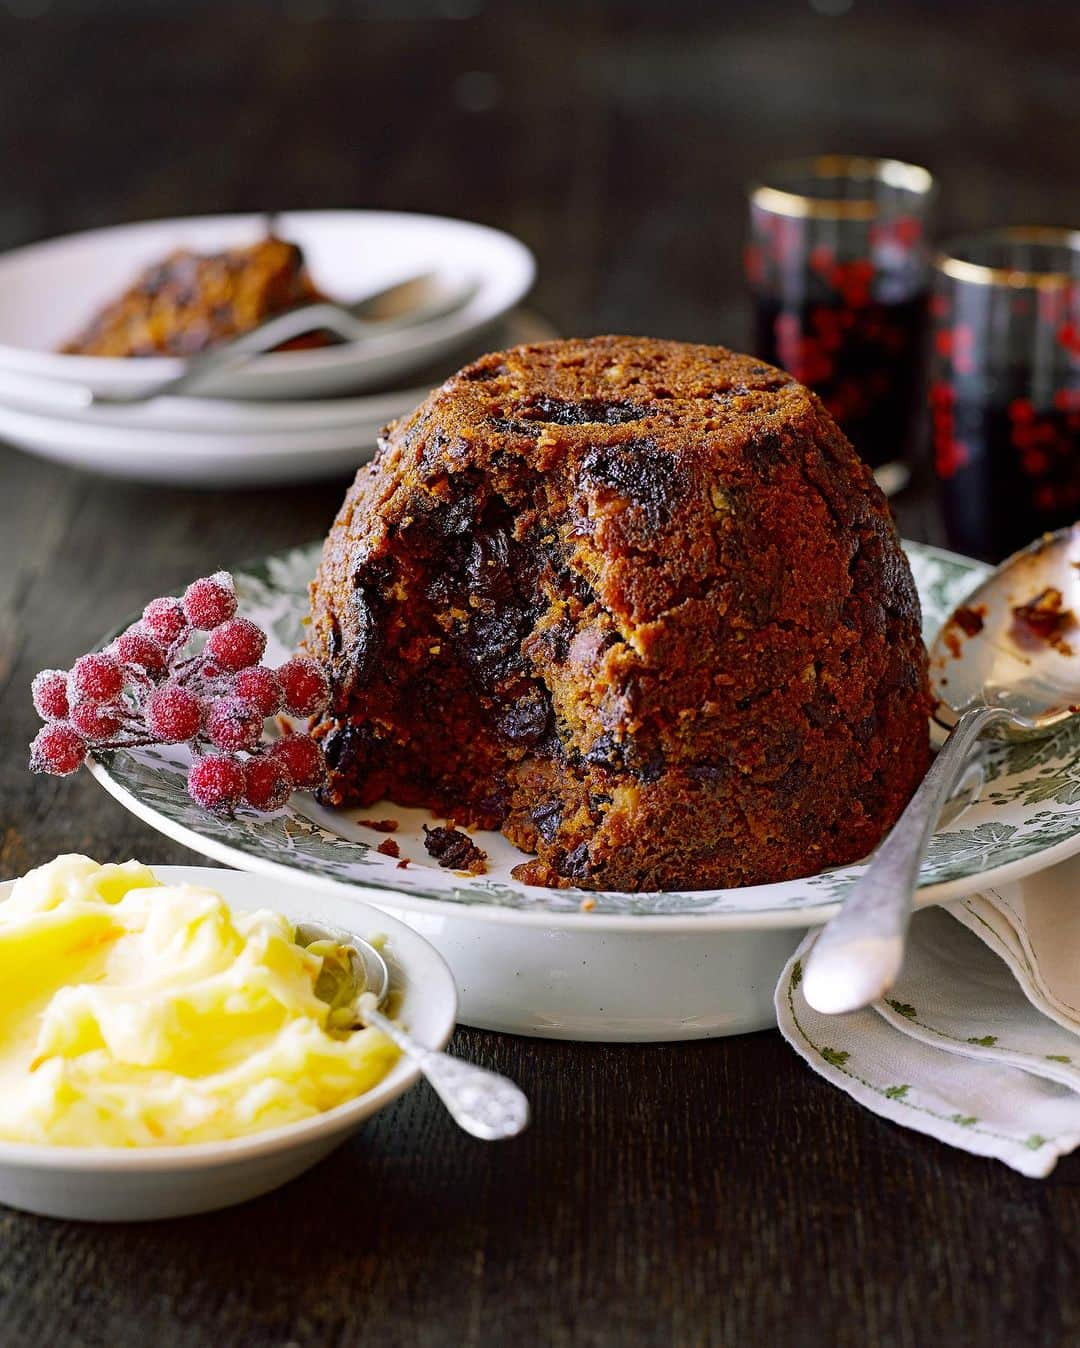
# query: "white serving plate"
[[111, 1184], [200, 458], [221, 442], [49, 291], [219, 416], [625, 966]]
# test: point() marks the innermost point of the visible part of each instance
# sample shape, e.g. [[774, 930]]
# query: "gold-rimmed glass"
[[838, 267], [1005, 387]]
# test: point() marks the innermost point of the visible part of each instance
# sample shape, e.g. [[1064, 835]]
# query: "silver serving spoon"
[[992, 670], [483, 1103]]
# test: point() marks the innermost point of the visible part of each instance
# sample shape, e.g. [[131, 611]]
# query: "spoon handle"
[[481, 1102], [339, 319], [230, 355], [858, 956]]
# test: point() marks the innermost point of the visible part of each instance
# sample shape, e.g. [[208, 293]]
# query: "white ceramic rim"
[[386, 897], [196, 444], [66, 367], [378, 897], [207, 417], [212, 1155]]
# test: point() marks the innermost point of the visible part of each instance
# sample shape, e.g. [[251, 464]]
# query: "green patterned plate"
[[1026, 817]]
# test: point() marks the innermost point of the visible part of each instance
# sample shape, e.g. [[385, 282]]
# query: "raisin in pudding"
[[639, 605]]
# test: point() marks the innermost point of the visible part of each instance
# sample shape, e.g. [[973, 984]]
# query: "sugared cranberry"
[[165, 621], [216, 782], [150, 687], [304, 685], [49, 691], [211, 601], [233, 724], [57, 749], [302, 759], [173, 714], [236, 644], [95, 721], [134, 647], [267, 786], [95, 678], [260, 687]]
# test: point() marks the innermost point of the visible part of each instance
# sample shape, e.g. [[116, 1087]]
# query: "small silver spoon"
[[483, 1103], [991, 670]]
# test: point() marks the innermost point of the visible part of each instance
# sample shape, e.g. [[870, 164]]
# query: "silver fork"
[[406, 304]]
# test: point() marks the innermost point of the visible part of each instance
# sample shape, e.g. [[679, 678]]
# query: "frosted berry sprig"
[[188, 672]]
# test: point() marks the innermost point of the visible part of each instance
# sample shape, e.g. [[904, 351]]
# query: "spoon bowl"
[[371, 970], [482, 1103], [988, 653]]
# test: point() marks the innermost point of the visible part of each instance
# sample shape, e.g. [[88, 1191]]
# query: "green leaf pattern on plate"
[[1031, 801]]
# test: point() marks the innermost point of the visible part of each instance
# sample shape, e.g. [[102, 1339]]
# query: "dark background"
[[711, 1192]]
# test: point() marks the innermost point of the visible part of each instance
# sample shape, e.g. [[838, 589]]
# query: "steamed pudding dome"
[[636, 603]]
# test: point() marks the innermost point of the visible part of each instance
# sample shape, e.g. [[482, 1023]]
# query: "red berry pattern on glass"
[[843, 328], [1005, 406], [838, 267], [160, 682]]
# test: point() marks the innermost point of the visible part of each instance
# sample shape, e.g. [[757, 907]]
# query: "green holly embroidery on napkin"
[[838, 1058], [987, 1041], [1058, 1057]]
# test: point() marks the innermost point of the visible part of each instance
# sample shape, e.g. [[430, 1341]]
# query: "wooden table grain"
[[699, 1193]]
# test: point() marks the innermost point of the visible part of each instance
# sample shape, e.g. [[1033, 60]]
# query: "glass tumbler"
[[838, 267], [1005, 387]]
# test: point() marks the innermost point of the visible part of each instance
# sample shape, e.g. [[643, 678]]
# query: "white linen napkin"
[[979, 1042]]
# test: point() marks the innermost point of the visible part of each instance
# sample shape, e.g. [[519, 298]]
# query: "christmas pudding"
[[639, 605]]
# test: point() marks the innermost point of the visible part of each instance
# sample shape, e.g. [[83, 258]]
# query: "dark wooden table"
[[704, 1193]]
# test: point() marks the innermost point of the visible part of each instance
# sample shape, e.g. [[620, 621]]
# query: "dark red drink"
[[838, 266], [1005, 393], [864, 362], [1008, 471]]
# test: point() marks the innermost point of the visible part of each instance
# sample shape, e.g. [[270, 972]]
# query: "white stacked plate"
[[284, 416]]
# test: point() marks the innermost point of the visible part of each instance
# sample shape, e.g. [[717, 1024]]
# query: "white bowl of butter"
[[162, 1050]]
